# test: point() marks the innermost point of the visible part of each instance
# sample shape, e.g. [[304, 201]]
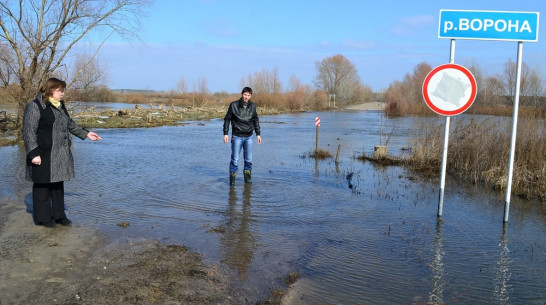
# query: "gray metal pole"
[[446, 143], [316, 143], [514, 132], [444, 165]]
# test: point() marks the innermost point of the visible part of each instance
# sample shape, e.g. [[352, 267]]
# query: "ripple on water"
[[375, 243]]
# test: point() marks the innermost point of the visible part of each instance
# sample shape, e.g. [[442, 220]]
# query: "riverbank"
[[174, 115], [132, 117], [152, 116], [69, 265], [77, 265]]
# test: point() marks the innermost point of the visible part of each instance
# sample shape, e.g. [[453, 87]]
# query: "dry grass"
[[503, 110], [479, 152], [290, 101], [154, 116], [383, 160], [318, 154], [421, 109], [137, 117]]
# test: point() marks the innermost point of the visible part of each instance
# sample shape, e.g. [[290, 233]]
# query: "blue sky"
[[224, 41]]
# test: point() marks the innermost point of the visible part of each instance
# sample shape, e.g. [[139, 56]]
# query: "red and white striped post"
[[317, 124]]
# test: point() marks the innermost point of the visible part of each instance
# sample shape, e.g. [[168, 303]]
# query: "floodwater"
[[376, 242]]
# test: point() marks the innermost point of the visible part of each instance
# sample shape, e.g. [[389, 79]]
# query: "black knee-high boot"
[[248, 176]]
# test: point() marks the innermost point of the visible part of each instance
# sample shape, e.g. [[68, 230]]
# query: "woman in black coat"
[[46, 131]]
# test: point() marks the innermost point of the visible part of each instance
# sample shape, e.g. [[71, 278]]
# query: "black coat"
[[46, 133], [243, 118]]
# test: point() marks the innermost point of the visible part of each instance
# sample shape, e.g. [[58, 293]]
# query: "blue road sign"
[[489, 25]]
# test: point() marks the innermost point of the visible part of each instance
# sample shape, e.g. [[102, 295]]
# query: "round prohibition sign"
[[449, 89]]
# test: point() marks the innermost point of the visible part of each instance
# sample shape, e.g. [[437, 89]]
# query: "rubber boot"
[[248, 176], [232, 178]]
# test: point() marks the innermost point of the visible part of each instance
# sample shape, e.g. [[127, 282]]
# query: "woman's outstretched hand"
[[93, 136]]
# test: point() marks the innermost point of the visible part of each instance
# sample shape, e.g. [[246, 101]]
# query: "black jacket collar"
[[242, 103]]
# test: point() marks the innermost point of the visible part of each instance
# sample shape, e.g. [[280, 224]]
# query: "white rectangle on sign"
[[489, 25]]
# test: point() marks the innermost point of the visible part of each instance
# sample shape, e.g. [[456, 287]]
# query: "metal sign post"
[[513, 138], [446, 144], [449, 90], [493, 25]]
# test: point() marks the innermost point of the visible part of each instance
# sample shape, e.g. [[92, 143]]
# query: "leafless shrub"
[[320, 154], [405, 97], [479, 152], [320, 100]]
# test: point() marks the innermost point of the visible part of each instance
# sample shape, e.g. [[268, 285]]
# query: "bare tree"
[[243, 82], [414, 83], [396, 99], [337, 75], [7, 64], [203, 91], [493, 91], [536, 86], [477, 72], [298, 95], [407, 96], [182, 85], [509, 78], [265, 82], [88, 76], [531, 83], [363, 94], [38, 35]]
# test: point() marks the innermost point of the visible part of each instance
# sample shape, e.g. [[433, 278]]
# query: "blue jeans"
[[236, 144]]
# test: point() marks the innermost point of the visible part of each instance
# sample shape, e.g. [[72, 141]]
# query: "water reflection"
[[436, 296], [238, 238], [501, 293], [359, 245]]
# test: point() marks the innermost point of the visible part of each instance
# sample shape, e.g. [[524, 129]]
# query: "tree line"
[[336, 75], [44, 38], [494, 92]]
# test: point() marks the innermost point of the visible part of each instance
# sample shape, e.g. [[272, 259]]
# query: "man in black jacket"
[[244, 121]]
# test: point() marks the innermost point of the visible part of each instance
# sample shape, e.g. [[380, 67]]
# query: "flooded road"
[[377, 242]]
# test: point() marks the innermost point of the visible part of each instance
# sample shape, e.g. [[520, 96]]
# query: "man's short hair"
[[247, 89]]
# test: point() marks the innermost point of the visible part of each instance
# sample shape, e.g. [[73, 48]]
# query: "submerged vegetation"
[[479, 152], [319, 154]]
